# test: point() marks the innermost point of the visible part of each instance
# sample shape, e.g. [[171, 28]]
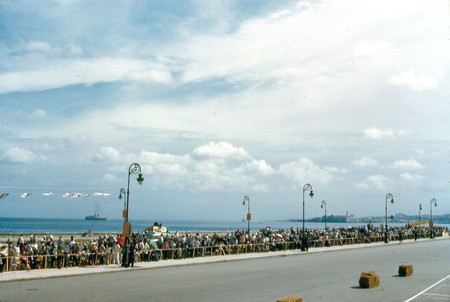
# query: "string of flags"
[[71, 195], [76, 195]]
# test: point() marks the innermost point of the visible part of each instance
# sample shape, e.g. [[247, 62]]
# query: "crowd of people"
[[115, 249], [49, 252]]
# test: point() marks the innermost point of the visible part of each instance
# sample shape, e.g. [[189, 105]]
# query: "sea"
[[75, 226]]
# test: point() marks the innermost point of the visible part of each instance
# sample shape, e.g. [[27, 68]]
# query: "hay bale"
[[369, 279], [405, 270], [290, 299]]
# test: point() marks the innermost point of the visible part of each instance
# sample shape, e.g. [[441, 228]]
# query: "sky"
[[217, 100]]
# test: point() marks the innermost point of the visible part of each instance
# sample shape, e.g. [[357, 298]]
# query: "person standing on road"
[[74, 254], [125, 251], [116, 250], [131, 254], [305, 243], [1, 263]]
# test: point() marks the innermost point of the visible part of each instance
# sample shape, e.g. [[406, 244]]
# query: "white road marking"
[[424, 291]]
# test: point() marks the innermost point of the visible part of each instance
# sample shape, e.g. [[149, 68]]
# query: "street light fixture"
[[324, 204], [122, 194], [306, 187], [249, 216], [391, 197], [431, 216], [420, 209]]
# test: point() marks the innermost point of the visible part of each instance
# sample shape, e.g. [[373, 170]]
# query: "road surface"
[[328, 276]]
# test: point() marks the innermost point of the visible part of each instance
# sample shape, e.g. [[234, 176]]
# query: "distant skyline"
[[217, 100]]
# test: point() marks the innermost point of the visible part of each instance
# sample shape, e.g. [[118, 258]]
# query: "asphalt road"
[[329, 276]]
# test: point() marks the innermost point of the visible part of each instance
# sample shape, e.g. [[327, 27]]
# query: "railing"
[[15, 263]]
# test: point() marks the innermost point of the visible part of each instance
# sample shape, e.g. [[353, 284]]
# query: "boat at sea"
[[94, 217]]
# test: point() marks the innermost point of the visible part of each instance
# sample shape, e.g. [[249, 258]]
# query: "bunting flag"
[[101, 194], [73, 195], [97, 194], [76, 195]]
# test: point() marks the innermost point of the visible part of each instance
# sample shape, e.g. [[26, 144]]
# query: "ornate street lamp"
[[420, 209], [324, 204], [306, 187], [431, 216], [391, 197], [133, 169], [249, 216]]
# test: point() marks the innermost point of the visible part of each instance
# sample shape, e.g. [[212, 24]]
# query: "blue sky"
[[221, 99]]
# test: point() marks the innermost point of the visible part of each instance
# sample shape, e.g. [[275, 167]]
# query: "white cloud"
[[69, 72], [38, 46], [165, 164], [336, 170], [365, 161], [373, 182], [38, 114], [220, 150], [375, 48], [411, 177], [304, 171], [20, 155], [76, 140], [211, 167], [259, 166], [409, 79], [261, 188], [379, 134], [213, 175], [407, 164], [108, 153], [420, 151]]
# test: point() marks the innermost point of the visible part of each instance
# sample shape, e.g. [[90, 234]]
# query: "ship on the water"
[[94, 217]]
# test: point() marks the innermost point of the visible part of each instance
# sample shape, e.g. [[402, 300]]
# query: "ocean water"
[[49, 225], [38, 225]]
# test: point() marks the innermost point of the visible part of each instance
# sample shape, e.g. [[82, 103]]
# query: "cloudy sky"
[[221, 99]]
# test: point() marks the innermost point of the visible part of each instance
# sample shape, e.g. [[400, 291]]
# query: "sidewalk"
[[74, 271]]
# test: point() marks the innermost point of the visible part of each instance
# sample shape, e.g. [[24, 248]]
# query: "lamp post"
[[306, 187], [249, 216], [133, 169], [391, 197], [322, 205], [420, 209], [431, 216]]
